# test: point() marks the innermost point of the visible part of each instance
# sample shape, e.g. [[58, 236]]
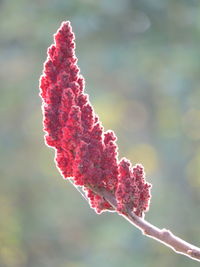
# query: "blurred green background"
[[141, 61]]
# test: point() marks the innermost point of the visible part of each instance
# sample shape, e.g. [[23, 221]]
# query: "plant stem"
[[164, 236]]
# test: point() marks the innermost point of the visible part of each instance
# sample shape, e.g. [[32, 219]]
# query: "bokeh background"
[[141, 61]]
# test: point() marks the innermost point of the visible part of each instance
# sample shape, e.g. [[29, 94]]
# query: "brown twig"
[[164, 236]]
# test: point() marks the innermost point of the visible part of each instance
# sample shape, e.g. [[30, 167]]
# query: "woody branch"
[[166, 237]]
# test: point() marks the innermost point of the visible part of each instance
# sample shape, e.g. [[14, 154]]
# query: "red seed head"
[[84, 150]]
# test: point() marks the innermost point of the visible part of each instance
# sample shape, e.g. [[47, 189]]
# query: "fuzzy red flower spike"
[[84, 151]]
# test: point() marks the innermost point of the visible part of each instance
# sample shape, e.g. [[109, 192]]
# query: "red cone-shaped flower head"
[[84, 151]]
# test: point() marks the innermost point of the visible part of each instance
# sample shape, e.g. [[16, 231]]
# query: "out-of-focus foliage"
[[141, 61]]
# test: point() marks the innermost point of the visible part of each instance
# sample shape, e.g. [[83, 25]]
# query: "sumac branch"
[[85, 153]]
